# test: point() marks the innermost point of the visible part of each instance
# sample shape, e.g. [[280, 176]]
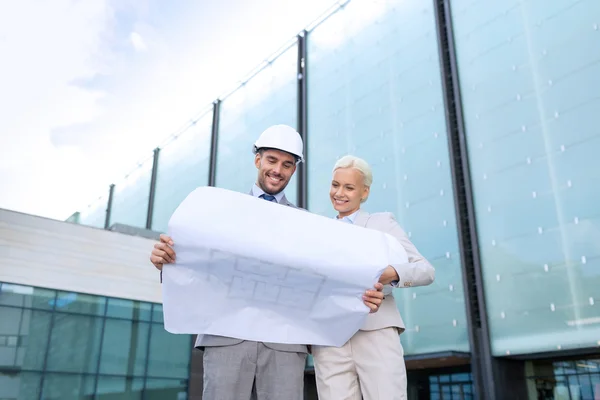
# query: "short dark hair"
[[263, 149]]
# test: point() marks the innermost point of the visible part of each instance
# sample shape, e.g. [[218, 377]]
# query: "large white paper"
[[250, 269]]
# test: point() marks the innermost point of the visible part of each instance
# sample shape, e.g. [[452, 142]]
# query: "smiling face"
[[347, 190], [275, 169]]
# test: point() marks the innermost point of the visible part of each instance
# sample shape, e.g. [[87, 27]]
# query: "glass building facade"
[[63, 345], [480, 122]]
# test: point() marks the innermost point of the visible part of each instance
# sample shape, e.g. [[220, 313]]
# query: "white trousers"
[[370, 364]]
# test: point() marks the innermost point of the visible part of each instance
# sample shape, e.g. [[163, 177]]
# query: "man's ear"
[[257, 158]]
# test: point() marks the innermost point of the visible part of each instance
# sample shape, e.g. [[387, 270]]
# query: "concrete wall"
[[53, 254]]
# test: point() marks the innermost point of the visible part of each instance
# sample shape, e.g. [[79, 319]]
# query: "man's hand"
[[373, 298], [163, 253]]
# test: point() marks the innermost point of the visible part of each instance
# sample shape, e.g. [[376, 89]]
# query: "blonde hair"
[[358, 164]]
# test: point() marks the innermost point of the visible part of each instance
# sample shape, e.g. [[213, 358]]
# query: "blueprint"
[[250, 269]]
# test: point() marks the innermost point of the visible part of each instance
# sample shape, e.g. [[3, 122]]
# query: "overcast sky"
[[87, 88]]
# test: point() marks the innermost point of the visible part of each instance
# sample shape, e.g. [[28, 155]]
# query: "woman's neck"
[[346, 213]]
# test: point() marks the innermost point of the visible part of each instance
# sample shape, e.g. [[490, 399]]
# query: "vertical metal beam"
[[151, 195], [148, 346], [111, 191], [100, 346], [48, 342], [214, 141], [479, 338], [302, 118]]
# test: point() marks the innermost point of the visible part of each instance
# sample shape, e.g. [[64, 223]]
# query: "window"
[[130, 201], [182, 167], [87, 346], [124, 347], [269, 98], [170, 354], [375, 92], [529, 88], [74, 343]]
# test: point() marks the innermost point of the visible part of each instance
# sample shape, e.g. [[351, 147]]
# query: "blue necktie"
[[267, 197]]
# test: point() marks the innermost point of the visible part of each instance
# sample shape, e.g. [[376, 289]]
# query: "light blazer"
[[212, 340], [417, 272]]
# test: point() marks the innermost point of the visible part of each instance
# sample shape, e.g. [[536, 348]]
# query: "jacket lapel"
[[361, 218]]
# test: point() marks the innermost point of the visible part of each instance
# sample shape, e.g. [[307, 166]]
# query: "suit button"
[[407, 284]]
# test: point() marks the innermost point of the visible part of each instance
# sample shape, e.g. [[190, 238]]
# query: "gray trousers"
[[251, 370]]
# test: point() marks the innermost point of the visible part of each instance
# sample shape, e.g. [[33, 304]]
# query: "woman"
[[371, 363]]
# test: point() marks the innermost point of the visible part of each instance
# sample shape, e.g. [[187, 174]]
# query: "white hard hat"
[[281, 137]]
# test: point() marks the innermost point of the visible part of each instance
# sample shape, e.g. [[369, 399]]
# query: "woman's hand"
[[389, 275]]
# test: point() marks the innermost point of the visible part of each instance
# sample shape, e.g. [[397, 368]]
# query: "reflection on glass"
[[269, 98], [26, 296], [157, 313], [170, 354], [25, 385], [95, 213], [129, 309], [530, 97], [124, 348], [74, 343], [165, 389], [182, 167], [79, 303], [130, 198], [23, 337], [119, 388], [375, 92], [68, 387]]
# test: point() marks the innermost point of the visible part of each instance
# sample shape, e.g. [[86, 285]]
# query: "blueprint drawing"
[[265, 272]]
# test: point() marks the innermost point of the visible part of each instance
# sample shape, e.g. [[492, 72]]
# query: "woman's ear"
[[365, 195]]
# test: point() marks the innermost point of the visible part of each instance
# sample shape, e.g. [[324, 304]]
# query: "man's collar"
[[257, 192]]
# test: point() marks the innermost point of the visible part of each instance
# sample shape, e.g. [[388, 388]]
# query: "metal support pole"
[[151, 195], [302, 118], [493, 378], [111, 192], [214, 141]]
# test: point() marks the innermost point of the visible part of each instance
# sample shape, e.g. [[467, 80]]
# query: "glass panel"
[[130, 198], [124, 348], [68, 387], [95, 213], [169, 355], [375, 92], [26, 296], [75, 343], [310, 362], [129, 309], [157, 313], [24, 336], [21, 386], [80, 303], [529, 89], [182, 167], [269, 98], [115, 388], [166, 389], [119, 308], [33, 339]]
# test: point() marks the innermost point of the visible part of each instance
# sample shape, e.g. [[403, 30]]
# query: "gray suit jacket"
[[211, 340], [417, 272]]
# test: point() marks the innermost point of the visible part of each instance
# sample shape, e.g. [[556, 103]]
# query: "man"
[[235, 368]]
